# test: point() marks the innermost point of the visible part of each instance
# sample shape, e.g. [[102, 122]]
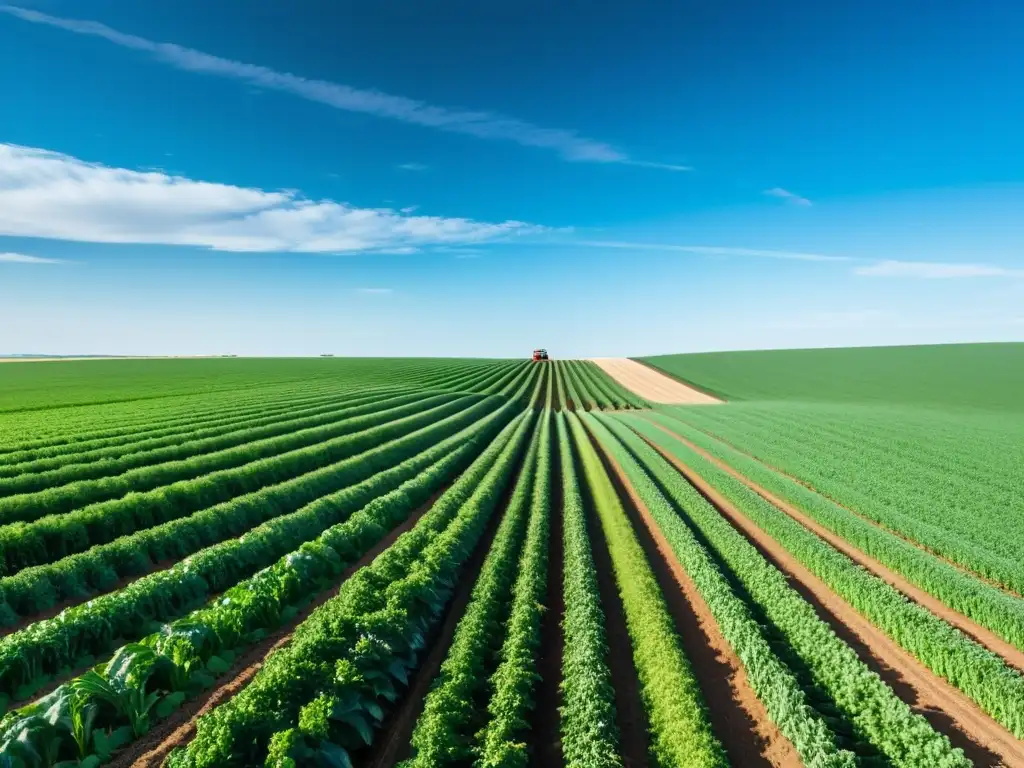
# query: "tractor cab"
[[540, 354]]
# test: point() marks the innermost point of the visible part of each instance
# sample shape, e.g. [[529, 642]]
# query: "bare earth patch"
[[650, 384]]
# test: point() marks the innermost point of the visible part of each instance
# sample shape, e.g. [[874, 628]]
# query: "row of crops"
[[582, 385], [474, 566]]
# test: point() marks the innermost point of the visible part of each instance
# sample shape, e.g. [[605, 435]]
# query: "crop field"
[[501, 563]]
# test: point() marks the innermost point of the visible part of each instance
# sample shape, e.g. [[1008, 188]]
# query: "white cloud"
[[376, 290], [710, 250], [482, 124], [21, 258], [49, 195], [412, 167], [659, 166], [409, 209], [925, 270], [790, 197]]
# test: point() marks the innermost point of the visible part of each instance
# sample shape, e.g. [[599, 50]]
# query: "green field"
[[988, 376], [500, 563]]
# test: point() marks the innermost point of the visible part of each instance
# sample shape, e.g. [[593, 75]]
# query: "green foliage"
[[30, 656], [98, 569], [445, 731], [360, 645], [989, 376], [586, 387], [142, 678], [770, 679], [60, 384], [680, 730], [156, 428], [158, 488], [221, 448], [589, 734], [502, 744], [945, 481], [883, 719]]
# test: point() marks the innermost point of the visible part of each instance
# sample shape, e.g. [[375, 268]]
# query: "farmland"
[[497, 563]]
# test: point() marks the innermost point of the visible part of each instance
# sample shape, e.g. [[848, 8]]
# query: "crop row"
[[589, 735], [180, 459], [117, 702], [502, 743], [946, 651], [445, 732], [609, 393], [325, 691], [99, 568], [772, 681], [30, 656], [680, 730], [66, 425], [987, 605], [45, 433], [191, 431], [901, 494], [58, 535], [583, 385]]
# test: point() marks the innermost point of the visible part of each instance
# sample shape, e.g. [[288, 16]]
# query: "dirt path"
[[179, 729], [986, 637], [949, 711], [650, 384], [738, 717]]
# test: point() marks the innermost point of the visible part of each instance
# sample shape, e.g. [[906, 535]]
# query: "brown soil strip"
[[180, 728], [986, 637], [947, 709], [651, 384], [810, 487], [629, 707], [738, 717], [545, 726], [392, 745]]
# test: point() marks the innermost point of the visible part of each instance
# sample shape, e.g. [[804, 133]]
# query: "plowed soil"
[[949, 711], [650, 384]]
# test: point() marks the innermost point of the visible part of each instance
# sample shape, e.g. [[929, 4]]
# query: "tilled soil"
[[650, 384]]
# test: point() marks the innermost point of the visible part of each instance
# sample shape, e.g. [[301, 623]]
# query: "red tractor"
[[540, 355]]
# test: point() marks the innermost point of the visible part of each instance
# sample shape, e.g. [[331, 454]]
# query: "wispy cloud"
[[659, 166], [924, 270], [790, 197], [412, 167], [409, 209], [49, 195], [482, 124], [376, 290], [22, 258], [710, 250]]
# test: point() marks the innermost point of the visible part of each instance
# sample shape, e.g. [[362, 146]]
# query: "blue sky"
[[475, 178]]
